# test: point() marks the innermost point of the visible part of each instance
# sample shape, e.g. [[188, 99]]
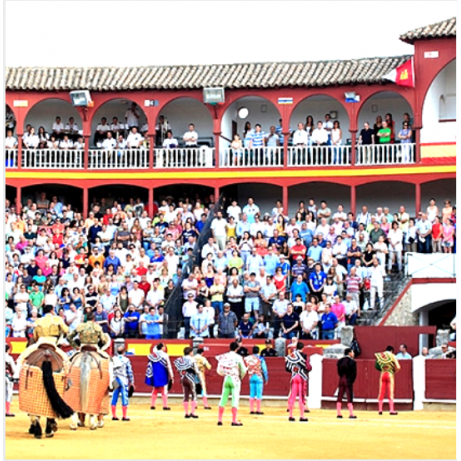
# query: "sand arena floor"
[[167, 435]]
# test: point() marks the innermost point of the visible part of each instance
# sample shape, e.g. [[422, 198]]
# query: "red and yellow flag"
[[403, 75]]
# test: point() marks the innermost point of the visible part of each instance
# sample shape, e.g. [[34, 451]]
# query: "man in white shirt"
[[161, 130], [209, 247], [71, 129], [32, 140], [328, 126], [10, 141], [189, 286], [189, 308], [279, 309], [190, 137], [170, 142], [132, 116], [251, 209], [340, 251], [352, 309], [73, 317], [308, 320], [156, 295], [395, 239], [323, 228], [377, 283], [234, 210], [136, 295], [66, 143], [101, 131], [109, 143], [340, 214], [58, 128], [219, 230], [134, 139], [320, 135], [300, 140], [121, 143], [79, 144], [117, 127]]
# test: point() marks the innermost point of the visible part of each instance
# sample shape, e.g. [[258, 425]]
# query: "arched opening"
[[390, 194], [104, 197], [179, 114], [333, 194], [45, 112], [264, 195], [120, 115], [254, 110], [393, 151], [66, 195], [10, 194], [185, 192], [439, 109], [440, 190], [10, 120], [330, 112], [439, 313]]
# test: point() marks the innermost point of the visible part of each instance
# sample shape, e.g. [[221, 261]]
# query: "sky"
[[148, 33]]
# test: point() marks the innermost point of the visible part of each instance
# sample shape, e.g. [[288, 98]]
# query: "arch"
[[10, 193], [440, 190], [181, 111], [264, 194], [258, 106], [118, 107], [191, 191], [105, 195], [332, 192], [67, 194], [386, 193], [440, 127], [10, 118], [44, 112], [426, 90], [381, 103], [320, 96]]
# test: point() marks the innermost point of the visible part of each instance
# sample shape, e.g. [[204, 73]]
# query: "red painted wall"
[[441, 379]]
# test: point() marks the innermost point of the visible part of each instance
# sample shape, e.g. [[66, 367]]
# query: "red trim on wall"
[[438, 143], [447, 120]]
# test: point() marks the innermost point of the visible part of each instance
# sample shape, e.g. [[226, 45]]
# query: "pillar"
[[217, 135], [315, 381], [18, 200], [86, 151], [151, 152], [285, 199], [150, 203], [354, 199], [419, 382], [353, 148], [20, 135], [216, 194], [286, 135], [417, 145], [85, 202], [417, 198]]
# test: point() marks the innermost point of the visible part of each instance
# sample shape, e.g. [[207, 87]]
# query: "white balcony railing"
[[200, 157], [118, 159], [52, 159], [385, 154], [251, 157], [319, 156], [11, 158]]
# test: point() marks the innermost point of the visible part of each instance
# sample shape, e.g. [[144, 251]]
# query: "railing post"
[[353, 144], [217, 135], [417, 145], [86, 152]]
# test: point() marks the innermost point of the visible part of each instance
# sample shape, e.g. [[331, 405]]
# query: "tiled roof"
[[445, 28], [249, 75]]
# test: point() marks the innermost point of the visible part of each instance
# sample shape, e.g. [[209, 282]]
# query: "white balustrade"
[[251, 157], [200, 157], [59, 159], [123, 159], [11, 158], [385, 154], [319, 156]]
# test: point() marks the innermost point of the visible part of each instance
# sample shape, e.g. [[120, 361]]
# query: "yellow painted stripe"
[[17, 347], [223, 174], [144, 349], [439, 151]]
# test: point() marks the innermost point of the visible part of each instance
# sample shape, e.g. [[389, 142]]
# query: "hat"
[[226, 304], [268, 341], [299, 258], [190, 295]]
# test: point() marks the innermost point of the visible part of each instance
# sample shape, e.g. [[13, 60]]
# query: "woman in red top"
[[260, 244], [41, 259], [280, 280], [437, 231]]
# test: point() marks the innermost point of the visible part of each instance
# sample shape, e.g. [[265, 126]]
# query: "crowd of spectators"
[[261, 273]]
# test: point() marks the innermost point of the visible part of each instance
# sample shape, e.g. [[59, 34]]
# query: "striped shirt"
[[353, 284], [257, 139]]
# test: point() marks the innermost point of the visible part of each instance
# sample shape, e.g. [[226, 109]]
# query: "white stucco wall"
[[444, 85], [424, 294]]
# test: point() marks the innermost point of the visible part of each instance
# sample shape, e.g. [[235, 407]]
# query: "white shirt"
[[300, 137], [109, 143], [218, 226], [131, 118], [170, 143], [320, 136], [136, 296], [280, 307], [117, 126], [66, 144], [10, 142], [322, 230], [155, 296], [72, 128], [134, 139], [58, 127], [308, 319], [395, 237], [190, 138], [189, 308], [234, 211], [377, 274], [31, 141], [19, 326]]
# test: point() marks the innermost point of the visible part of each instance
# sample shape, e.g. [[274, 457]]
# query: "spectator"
[[245, 327], [290, 323], [227, 322], [132, 116], [189, 309], [403, 353], [308, 322], [131, 318], [329, 322], [200, 323]]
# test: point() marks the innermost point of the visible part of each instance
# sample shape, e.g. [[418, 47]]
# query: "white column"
[[315, 381], [419, 382]]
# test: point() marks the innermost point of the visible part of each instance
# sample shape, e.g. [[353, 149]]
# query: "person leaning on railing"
[[405, 136]]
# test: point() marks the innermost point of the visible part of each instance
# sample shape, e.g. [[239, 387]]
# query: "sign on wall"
[[285, 100], [20, 103]]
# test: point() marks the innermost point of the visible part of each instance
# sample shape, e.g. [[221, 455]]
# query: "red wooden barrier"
[[441, 379], [366, 385]]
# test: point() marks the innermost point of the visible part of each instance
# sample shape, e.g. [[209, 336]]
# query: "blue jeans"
[[251, 304], [217, 305], [290, 335], [153, 336], [328, 334], [187, 327], [122, 390]]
